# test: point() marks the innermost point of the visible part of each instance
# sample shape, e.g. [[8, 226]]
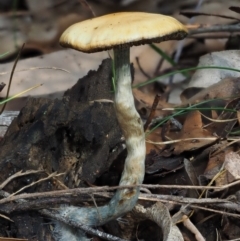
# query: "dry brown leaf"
[[55, 82], [214, 165], [40, 27], [224, 88], [226, 120], [155, 137], [192, 128], [215, 7], [232, 165]]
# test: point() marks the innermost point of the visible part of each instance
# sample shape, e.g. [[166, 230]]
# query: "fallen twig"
[[91, 190], [198, 29], [18, 174]]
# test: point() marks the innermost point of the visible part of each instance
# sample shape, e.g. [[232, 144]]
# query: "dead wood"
[[74, 135]]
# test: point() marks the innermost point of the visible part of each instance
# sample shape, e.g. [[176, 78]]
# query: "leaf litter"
[[196, 124]]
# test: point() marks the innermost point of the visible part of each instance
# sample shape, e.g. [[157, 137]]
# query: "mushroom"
[[120, 31]]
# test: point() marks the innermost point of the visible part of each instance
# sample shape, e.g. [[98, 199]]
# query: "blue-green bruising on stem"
[[134, 169]]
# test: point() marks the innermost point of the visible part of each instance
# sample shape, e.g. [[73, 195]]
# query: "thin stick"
[[37, 68], [34, 183], [11, 77], [79, 191], [191, 14], [142, 70], [153, 110], [18, 174], [85, 3], [215, 28]]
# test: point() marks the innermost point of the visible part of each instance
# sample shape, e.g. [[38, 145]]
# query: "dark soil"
[[76, 135]]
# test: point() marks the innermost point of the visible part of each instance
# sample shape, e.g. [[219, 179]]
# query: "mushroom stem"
[[130, 122]]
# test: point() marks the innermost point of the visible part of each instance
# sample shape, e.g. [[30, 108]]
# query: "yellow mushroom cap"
[[124, 28]]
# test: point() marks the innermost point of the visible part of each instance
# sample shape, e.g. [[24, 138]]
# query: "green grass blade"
[[183, 71], [166, 57], [181, 111], [3, 55], [163, 54], [19, 94]]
